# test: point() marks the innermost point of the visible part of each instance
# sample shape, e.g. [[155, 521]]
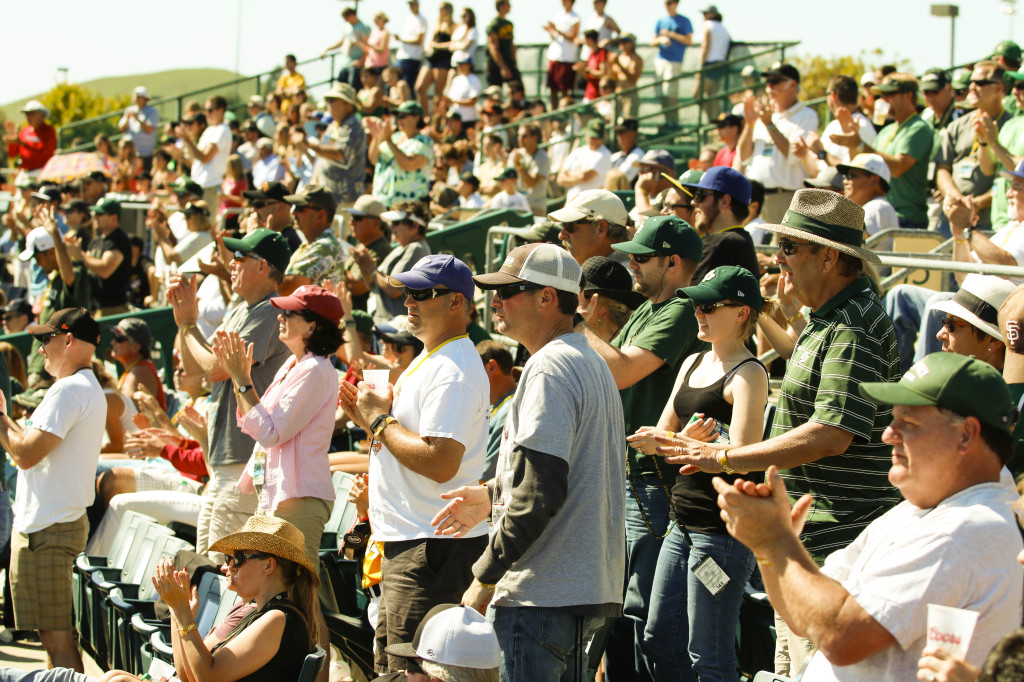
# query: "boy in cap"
[[56, 454], [508, 196]]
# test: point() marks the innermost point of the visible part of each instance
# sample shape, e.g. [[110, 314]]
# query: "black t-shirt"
[[112, 291], [730, 247], [506, 42], [694, 500]]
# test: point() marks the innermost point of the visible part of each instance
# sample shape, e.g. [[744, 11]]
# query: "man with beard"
[[644, 359], [720, 201]]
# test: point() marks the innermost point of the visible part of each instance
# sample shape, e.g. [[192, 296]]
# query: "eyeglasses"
[[708, 308], [982, 82], [425, 294], [789, 248], [640, 259], [507, 291], [239, 256], [236, 559], [951, 324], [570, 228], [46, 337]]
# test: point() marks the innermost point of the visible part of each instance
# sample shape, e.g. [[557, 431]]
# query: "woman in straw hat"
[[725, 389], [266, 565]]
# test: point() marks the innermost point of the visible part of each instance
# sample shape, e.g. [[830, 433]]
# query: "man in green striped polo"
[[826, 437]]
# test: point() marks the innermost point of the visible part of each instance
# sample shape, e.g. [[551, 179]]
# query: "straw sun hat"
[[268, 535], [825, 217]]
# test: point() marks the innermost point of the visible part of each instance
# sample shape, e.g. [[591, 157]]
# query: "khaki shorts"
[[41, 565], [308, 514]]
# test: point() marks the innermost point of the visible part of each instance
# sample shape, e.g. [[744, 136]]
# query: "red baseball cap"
[[314, 299]]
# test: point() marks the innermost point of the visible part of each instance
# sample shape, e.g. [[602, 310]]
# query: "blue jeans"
[[690, 632], [542, 644], [909, 308], [410, 69], [626, 660]]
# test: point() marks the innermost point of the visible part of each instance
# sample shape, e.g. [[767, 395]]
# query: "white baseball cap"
[[38, 240], [140, 91], [453, 635], [872, 163], [544, 264], [592, 204], [34, 105], [867, 79]]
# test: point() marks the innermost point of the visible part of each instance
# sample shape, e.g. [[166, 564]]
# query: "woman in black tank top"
[[267, 565], [691, 625]]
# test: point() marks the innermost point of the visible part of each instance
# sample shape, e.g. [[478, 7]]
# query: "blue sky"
[[136, 37]]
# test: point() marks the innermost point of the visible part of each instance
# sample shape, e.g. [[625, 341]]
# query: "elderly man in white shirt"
[[773, 125]]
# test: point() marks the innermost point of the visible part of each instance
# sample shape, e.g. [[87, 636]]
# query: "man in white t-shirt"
[[586, 166], [508, 196], [770, 130], [866, 181], [429, 435], [56, 453], [627, 159], [210, 153], [952, 542], [409, 56], [564, 29]]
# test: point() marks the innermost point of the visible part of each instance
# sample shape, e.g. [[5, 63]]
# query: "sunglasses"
[[700, 195], [982, 82], [507, 291], [790, 248], [640, 259], [425, 294], [854, 174], [678, 207], [951, 324], [263, 204], [239, 256], [293, 313], [46, 337], [236, 559], [708, 308]]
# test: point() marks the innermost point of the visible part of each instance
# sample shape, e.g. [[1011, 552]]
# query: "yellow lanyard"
[[127, 369], [896, 132], [412, 371], [501, 404]]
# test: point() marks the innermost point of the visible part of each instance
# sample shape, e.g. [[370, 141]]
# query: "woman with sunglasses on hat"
[[719, 395]]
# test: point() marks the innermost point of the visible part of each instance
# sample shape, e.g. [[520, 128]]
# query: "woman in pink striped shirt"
[[292, 422]]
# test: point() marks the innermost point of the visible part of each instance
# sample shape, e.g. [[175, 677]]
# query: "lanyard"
[[127, 369], [412, 371], [895, 132], [501, 404]]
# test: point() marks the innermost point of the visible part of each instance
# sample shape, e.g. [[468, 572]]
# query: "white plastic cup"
[[950, 628], [377, 380]]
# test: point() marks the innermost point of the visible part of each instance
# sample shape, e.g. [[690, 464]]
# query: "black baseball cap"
[[268, 190], [74, 321]]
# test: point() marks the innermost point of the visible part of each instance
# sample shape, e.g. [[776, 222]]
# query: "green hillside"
[[160, 84]]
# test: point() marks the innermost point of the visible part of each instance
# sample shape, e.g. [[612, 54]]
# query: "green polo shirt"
[[848, 341], [908, 193], [1011, 136], [669, 330]]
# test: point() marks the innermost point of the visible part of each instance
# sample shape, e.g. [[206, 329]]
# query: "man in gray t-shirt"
[[554, 565], [257, 269]]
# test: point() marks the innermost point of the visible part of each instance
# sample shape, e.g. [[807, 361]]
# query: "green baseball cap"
[[265, 243], [961, 383], [1007, 49], [183, 186], [107, 206], [726, 283], [896, 83], [409, 107], [595, 128], [363, 321], [665, 234]]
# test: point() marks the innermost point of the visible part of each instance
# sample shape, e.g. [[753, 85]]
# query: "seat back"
[[163, 546], [212, 591], [132, 523], [341, 518], [140, 558], [312, 665]]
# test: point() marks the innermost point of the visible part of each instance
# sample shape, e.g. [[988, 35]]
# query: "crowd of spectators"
[[607, 475]]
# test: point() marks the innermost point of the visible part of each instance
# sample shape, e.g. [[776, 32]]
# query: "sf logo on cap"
[[1013, 336]]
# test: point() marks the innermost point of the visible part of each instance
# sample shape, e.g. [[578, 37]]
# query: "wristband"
[[187, 328], [723, 460], [381, 423], [187, 629], [983, 144], [486, 586], [791, 320]]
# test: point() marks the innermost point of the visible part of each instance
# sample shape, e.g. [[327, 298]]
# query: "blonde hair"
[[456, 673], [768, 308], [234, 170]]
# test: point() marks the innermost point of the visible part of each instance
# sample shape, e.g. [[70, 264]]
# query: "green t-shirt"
[[58, 296], [908, 193], [1011, 136], [848, 341], [1010, 105], [669, 330]]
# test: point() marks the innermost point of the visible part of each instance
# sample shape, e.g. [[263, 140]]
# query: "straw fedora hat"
[[827, 218], [268, 535]]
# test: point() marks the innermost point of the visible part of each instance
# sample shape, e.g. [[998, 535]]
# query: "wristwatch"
[[381, 423], [244, 389], [822, 155]]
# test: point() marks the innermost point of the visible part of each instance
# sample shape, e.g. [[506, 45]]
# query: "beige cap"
[[592, 204]]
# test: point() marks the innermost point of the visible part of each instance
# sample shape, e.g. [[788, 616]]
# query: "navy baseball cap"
[[725, 180], [437, 270]]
